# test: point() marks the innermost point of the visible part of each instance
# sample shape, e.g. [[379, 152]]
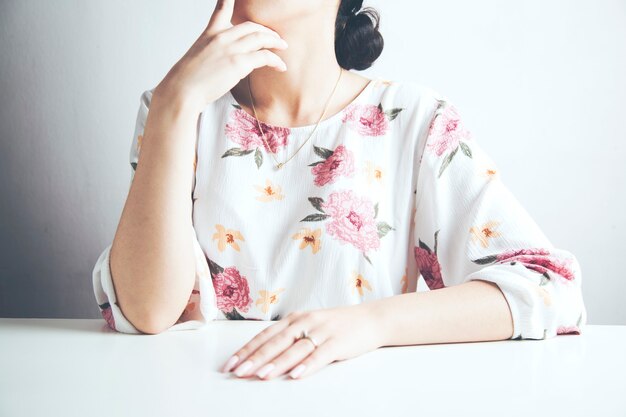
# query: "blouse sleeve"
[[201, 306], [469, 226]]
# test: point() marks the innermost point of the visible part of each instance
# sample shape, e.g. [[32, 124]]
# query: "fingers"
[[268, 351], [246, 42], [255, 41], [246, 28], [221, 17], [260, 58], [319, 358], [242, 354], [288, 359]]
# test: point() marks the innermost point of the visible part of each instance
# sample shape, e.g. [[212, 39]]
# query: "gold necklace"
[[280, 164]]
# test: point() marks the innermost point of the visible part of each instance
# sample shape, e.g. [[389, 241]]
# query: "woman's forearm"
[[469, 312], [152, 259]]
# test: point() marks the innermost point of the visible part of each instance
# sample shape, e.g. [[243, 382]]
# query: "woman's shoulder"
[[409, 91], [415, 98], [146, 97]]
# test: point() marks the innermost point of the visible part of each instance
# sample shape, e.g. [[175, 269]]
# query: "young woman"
[[270, 182]]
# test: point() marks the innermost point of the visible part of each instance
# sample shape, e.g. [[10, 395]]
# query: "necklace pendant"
[[279, 166]]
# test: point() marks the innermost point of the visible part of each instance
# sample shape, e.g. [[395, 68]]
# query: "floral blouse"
[[392, 188]]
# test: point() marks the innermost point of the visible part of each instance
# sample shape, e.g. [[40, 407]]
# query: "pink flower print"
[[231, 290], [369, 119], [446, 131], [428, 264], [339, 162], [107, 314], [244, 130], [573, 329], [567, 330], [352, 220], [447, 134], [366, 119], [537, 259]]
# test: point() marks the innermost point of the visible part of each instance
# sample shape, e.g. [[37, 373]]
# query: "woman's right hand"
[[222, 56]]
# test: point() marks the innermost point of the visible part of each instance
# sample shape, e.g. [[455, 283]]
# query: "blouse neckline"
[[323, 123]]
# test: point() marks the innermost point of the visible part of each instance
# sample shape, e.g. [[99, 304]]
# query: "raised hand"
[[222, 55]]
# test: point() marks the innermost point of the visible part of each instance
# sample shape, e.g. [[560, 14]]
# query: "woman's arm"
[[491, 271], [152, 261], [152, 258], [470, 312]]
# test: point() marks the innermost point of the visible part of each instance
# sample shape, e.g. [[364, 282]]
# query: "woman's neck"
[[297, 97]]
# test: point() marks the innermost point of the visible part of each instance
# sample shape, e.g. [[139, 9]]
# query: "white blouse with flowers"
[[392, 188]]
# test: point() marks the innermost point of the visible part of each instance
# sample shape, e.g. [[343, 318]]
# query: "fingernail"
[[243, 368], [297, 371], [265, 370], [231, 362]]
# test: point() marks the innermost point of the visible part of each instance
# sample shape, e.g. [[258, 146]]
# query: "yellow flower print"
[[547, 299], [405, 281], [227, 237], [489, 173], [374, 177], [268, 297], [358, 283], [309, 237], [269, 192], [373, 173], [485, 232]]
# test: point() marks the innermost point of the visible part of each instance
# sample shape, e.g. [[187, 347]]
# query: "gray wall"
[[541, 84]]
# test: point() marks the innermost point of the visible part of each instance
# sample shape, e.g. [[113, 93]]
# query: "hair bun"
[[358, 41]]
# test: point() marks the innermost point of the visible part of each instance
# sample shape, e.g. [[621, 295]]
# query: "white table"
[[58, 367]]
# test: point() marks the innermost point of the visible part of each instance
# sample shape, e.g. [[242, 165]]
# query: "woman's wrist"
[[175, 102], [376, 317]]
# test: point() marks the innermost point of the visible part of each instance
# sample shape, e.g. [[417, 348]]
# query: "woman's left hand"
[[341, 333]]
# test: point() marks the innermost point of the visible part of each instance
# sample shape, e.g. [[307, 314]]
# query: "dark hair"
[[358, 43]]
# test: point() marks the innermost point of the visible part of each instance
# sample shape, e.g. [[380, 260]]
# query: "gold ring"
[[304, 335]]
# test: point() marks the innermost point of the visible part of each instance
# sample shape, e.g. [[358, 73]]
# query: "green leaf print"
[[234, 315], [214, 268], [237, 152], [317, 203], [383, 228], [258, 158], [393, 113], [466, 149], [322, 152], [580, 319], [489, 259], [315, 217], [447, 161]]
